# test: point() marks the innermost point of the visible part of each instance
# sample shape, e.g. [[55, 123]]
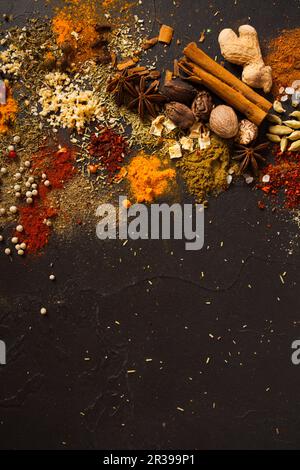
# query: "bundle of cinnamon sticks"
[[201, 69]]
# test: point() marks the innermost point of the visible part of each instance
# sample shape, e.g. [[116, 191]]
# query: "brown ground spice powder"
[[284, 58]]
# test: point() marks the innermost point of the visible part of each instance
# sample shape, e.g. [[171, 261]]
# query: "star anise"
[[249, 157], [145, 97], [121, 84]]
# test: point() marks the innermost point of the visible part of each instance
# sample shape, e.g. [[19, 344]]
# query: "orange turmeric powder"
[[75, 23], [8, 111], [148, 178]]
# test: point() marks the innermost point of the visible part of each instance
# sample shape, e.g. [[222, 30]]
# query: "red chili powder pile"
[[110, 148], [284, 178], [59, 168]]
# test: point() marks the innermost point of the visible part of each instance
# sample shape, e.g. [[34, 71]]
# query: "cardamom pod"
[[280, 130], [180, 114], [295, 114], [278, 107], [275, 119], [283, 144], [180, 91], [293, 124], [294, 136], [295, 146], [273, 138], [202, 106]]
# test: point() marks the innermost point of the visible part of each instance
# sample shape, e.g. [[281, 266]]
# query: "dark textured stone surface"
[[153, 304]]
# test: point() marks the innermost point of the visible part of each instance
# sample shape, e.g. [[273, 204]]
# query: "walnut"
[[248, 132]]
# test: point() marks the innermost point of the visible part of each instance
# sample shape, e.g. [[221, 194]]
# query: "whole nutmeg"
[[202, 106], [224, 122], [179, 90], [247, 133], [180, 114]]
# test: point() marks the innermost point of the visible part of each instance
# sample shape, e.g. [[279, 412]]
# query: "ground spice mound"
[[148, 177], [284, 58], [108, 148], [58, 168], [36, 231], [75, 24], [284, 178], [8, 112], [205, 171]]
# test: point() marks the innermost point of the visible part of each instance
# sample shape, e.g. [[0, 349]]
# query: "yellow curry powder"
[[148, 177], [8, 112], [205, 172]]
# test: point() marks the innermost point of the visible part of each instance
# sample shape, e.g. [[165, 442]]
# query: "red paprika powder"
[[59, 168]]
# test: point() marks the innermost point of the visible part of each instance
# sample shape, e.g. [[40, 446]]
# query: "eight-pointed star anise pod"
[[119, 85], [145, 97], [249, 157]]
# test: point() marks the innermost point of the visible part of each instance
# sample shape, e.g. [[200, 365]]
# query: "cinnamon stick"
[[230, 95], [166, 34], [199, 57]]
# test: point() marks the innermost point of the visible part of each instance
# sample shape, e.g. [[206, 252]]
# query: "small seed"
[[13, 209], [20, 252], [14, 240], [43, 311], [19, 228], [7, 251]]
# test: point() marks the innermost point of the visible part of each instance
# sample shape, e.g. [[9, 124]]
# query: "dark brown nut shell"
[[179, 91], [180, 114], [202, 106]]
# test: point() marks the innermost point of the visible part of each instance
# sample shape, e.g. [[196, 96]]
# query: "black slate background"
[[121, 305]]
